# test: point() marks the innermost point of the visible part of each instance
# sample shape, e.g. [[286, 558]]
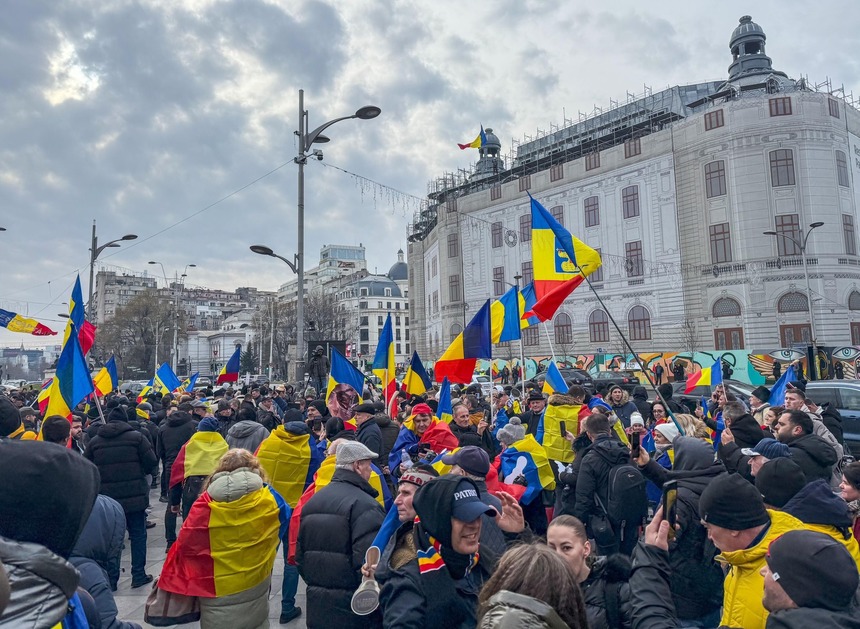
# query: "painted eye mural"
[[846, 353], [787, 355]]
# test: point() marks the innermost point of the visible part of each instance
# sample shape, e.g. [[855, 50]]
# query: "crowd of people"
[[577, 509]]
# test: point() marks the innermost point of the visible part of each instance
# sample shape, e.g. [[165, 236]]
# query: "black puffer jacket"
[[604, 454], [697, 580], [389, 430], [832, 420], [172, 436], [640, 399], [607, 585], [566, 487], [124, 456], [814, 455], [337, 527], [370, 435]]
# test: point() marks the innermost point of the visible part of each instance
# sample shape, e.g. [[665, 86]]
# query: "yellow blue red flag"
[[230, 371], [506, 314], [416, 381], [554, 382], [458, 361], [383, 361], [72, 381]]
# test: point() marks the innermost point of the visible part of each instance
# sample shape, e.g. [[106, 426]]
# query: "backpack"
[[626, 498]]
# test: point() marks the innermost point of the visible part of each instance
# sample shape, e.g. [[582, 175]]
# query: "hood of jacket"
[[817, 448], [230, 486], [245, 428], [639, 393], [780, 523], [694, 465], [625, 397], [114, 428], [510, 609], [816, 503], [178, 418], [382, 420], [747, 431], [611, 451], [103, 533]]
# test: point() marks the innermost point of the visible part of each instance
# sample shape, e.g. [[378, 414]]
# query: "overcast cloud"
[[139, 114]]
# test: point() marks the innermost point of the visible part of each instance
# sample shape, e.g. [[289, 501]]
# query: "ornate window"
[[793, 302], [630, 201], [715, 179], [782, 167], [639, 324], [726, 307], [598, 327], [854, 301]]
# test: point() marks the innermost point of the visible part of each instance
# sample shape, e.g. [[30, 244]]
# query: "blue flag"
[[166, 379], [777, 393]]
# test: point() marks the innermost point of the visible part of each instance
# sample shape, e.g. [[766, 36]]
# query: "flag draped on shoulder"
[[383, 361], [561, 262], [416, 381], [198, 457], [107, 379], [554, 382], [458, 362], [445, 410], [506, 315], [72, 381], [477, 143], [14, 322], [230, 371], [290, 461], [712, 376], [225, 548], [526, 457]]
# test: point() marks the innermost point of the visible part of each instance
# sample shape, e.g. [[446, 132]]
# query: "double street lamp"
[[306, 140], [801, 245], [175, 351], [95, 251]]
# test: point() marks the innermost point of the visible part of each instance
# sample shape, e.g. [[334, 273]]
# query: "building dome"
[[378, 286], [399, 271], [746, 28]]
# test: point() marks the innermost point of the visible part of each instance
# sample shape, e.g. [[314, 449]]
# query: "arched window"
[[598, 327], [793, 302], [563, 329], [854, 301], [639, 324], [726, 307], [455, 330]]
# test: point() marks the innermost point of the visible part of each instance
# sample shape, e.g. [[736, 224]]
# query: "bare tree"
[[689, 336]]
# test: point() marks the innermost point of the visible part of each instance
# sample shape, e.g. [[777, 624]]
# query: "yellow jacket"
[[850, 542], [743, 587], [23, 434]]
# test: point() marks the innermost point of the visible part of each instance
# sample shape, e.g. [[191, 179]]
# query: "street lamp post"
[[802, 247], [175, 350], [95, 250], [306, 140]]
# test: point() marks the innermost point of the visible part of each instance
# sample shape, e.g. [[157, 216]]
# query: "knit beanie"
[[668, 430], [779, 480], [208, 424], [731, 502], [512, 432]]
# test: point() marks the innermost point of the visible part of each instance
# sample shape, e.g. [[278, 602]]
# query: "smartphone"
[[562, 425], [670, 501], [634, 445]]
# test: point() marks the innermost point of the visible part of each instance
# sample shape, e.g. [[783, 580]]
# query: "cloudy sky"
[[144, 115]]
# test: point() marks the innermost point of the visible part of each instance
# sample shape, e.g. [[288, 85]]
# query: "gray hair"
[[734, 410]]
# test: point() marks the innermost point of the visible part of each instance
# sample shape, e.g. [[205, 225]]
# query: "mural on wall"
[[752, 368]]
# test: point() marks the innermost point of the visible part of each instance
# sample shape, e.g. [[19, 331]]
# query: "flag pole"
[[99, 406], [548, 340], [634, 354]]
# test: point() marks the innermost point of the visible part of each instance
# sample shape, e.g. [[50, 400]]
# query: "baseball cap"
[[198, 404], [472, 459], [467, 505], [769, 448], [416, 477]]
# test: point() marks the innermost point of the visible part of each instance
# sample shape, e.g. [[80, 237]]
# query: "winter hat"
[[422, 409], [320, 406], [10, 418], [418, 477], [353, 451], [762, 393], [814, 569], [208, 424], [512, 432], [747, 431], [731, 502], [779, 480], [293, 415], [471, 459], [668, 430], [665, 391], [769, 448], [117, 414]]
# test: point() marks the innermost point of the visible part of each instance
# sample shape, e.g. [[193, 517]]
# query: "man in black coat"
[[176, 430], [368, 433], [337, 527], [124, 457], [813, 454], [531, 418]]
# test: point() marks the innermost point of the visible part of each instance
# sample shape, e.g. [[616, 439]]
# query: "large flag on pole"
[[416, 381], [230, 371], [554, 382], [458, 361], [383, 361], [506, 314], [561, 262], [72, 381], [86, 330], [528, 293], [445, 410], [165, 380], [477, 143], [107, 379], [777, 393], [343, 377]]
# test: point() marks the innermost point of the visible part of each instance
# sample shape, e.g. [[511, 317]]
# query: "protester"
[[531, 418], [759, 403], [420, 435], [11, 426], [228, 417], [739, 525], [850, 490], [337, 526], [532, 587], [76, 434], [246, 432], [124, 457], [197, 459], [216, 559], [603, 580], [640, 399], [367, 432], [665, 390], [813, 454], [621, 405], [56, 429]]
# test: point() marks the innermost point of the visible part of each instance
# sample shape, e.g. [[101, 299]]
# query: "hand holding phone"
[[634, 445], [670, 501]]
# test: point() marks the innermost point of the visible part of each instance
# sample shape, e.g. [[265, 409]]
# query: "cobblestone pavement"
[[130, 603]]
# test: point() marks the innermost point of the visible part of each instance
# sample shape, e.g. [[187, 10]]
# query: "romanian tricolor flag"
[[416, 381], [506, 316], [477, 143], [712, 376], [107, 379], [528, 293], [230, 371], [225, 548], [198, 457], [445, 410], [344, 372], [86, 330], [561, 262], [72, 381], [44, 396], [290, 461], [188, 383], [145, 390], [554, 382], [438, 437], [14, 322], [458, 362], [383, 362], [526, 457], [321, 479]]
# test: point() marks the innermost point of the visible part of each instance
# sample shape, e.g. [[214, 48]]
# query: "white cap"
[[636, 419]]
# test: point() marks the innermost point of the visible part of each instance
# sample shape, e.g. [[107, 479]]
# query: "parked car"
[[691, 400], [571, 376], [135, 386], [844, 396], [486, 384], [627, 380]]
